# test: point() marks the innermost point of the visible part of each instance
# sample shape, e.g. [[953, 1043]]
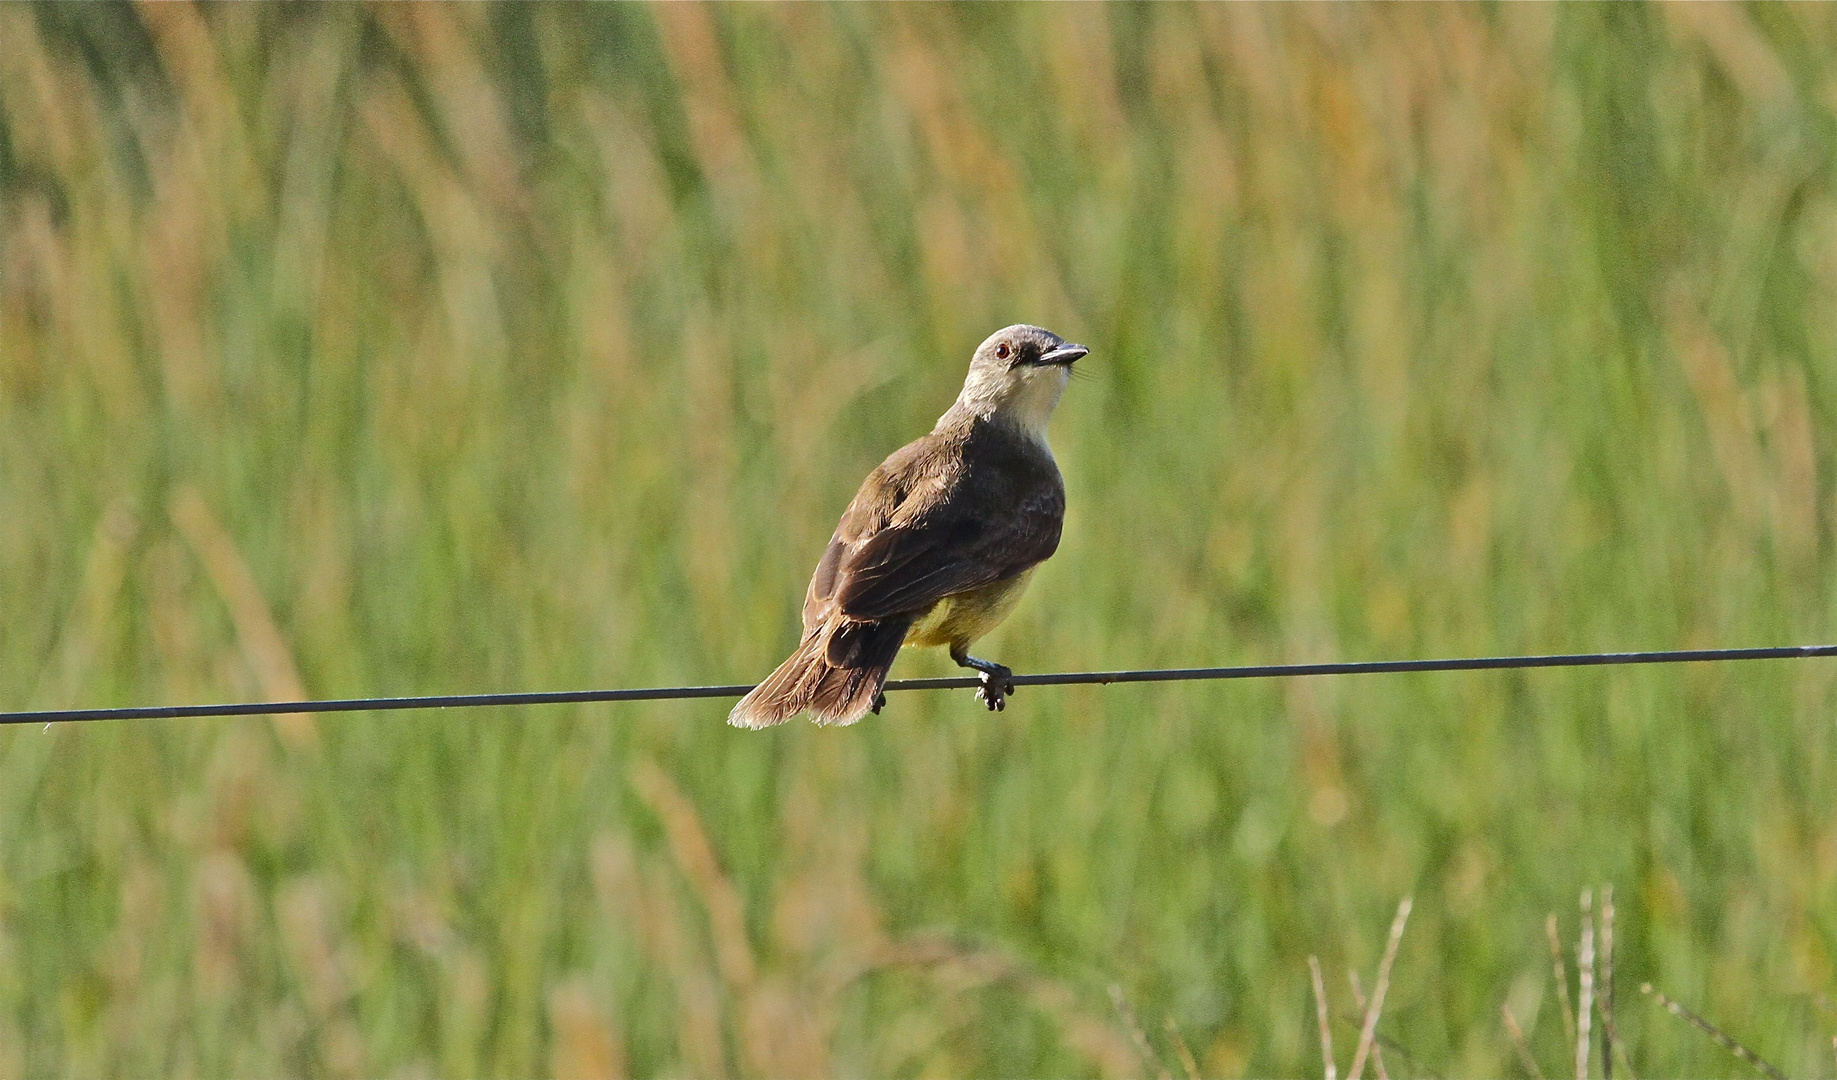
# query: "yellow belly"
[[961, 619]]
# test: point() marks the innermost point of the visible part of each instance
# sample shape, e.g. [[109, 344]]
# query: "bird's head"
[[1017, 376]]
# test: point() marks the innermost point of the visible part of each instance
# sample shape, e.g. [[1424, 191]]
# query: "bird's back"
[[965, 505]]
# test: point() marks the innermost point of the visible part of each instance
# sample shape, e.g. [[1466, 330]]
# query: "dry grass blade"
[[584, 1042], [1096, 1039], [1606, 996], [1397, 1050], [1181, 1050], [104, 572], [1358, 1000], [1320, 1009], [257, 634], [1585, 986], [776, 1032], [694, 854], [1136, 1033], [1378, 990], [1562, 977], [1717, 1035], [1519, 1044], [676, 952], [775, 1039]]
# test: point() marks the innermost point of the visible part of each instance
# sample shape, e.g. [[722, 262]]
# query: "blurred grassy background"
[[408, 349]]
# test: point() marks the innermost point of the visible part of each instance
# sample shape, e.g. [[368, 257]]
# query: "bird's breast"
[[961, 619]]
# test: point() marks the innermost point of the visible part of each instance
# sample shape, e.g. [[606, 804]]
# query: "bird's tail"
[[837, 673]]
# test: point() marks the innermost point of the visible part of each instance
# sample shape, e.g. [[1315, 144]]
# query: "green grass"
[[439, 349]]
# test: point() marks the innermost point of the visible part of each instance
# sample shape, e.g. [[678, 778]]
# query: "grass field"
[[421, 349]]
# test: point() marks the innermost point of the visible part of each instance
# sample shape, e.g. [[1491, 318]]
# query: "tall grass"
[[405, 349]]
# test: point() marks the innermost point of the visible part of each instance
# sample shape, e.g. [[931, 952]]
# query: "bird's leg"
[[880, 702], [997, 680]]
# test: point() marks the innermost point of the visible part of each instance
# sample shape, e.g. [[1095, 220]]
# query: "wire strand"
[[1064, 678]]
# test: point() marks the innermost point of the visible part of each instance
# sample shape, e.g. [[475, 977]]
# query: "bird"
[[937, 545]]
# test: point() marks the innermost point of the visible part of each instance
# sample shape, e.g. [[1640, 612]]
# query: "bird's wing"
[[910, 566], [935, 519]]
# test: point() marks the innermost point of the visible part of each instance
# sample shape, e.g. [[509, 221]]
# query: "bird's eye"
[[1002, 351]]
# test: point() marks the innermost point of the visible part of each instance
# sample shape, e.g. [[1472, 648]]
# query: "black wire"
[[1068, 678]]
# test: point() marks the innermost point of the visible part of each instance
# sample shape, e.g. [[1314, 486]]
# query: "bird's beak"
[[1065, 355]]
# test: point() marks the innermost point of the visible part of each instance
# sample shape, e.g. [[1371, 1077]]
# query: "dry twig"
[[1136, 1033], [1519, 1043], [1562, 977], [1585, 986], [1320, 1009], [1716, 1034], [1378, 991], [1358, 999], [1607, 991], [1187, 1060]]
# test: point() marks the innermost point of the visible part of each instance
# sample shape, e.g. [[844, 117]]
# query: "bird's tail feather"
[[811, 678]]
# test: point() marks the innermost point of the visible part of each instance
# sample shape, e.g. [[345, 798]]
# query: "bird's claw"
[[995, 688], [880, 702], [994, 681]]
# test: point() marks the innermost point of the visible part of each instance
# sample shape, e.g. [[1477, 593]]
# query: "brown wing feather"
[[910, 568], [914, 468], [938, 519]]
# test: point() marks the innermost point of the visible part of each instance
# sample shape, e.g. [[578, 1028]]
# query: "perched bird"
[[937, 545]]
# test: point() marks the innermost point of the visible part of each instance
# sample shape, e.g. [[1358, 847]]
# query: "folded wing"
[[914, 536]]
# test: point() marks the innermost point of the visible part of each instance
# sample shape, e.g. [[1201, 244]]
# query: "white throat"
[[1022, 399]]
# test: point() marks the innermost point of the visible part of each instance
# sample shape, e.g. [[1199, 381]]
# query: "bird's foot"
[[995, 689], [997, 682], [880, 702]]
